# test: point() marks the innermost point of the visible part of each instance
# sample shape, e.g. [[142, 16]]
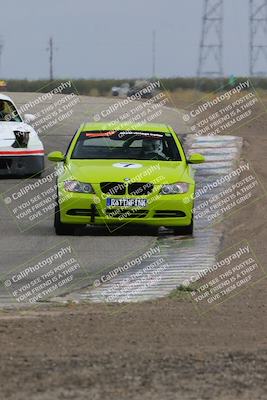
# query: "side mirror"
[[29, 118], [196, 158], [56, 156]]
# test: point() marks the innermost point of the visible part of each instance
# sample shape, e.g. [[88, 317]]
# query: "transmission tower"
[[210, 63], [1, 51], [258, 37]]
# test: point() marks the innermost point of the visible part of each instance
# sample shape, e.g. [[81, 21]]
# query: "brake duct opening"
[[21, 139]]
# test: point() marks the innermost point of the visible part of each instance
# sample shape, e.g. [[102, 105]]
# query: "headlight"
[[76, 186], [176, 188]]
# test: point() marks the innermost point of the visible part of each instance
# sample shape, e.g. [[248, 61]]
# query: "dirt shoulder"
[[156, 350], [145, 351]]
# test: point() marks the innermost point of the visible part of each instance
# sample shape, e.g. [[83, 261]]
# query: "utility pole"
[[154, 53], [210, 63], [51, 58], [258, 37], [1, 51]]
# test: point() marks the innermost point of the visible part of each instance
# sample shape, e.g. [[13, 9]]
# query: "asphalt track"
[[95, 249]]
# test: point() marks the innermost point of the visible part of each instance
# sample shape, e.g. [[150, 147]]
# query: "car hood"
[[96, 171]]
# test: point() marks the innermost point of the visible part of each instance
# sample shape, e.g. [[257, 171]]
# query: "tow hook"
[[93, 212]]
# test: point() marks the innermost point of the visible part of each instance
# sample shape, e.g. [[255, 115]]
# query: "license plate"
[[126, 202]]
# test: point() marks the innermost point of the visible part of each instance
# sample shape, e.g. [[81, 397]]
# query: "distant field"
[[184, 98], [103, 87]]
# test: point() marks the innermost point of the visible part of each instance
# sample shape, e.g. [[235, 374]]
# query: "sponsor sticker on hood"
[[127, 165]]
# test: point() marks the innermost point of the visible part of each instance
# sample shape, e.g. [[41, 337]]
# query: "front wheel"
[[184, 230], [62, 229]]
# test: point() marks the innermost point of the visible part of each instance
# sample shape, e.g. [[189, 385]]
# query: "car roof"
[[4, 97], [97, 126]]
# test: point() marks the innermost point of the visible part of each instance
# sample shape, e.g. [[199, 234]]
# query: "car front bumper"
[[22, 165], [162, 210]]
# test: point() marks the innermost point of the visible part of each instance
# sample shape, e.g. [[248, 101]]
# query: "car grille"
[[119, 188], [169, 214], [140, 189], [113, 188], [5, 163], [119, 213]]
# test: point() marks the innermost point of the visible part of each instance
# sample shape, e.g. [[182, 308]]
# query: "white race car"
[[21, 150]]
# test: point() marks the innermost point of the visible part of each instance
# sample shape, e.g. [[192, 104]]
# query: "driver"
[[153, 146]]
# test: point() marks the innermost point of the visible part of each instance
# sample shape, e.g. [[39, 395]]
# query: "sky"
[[113, 38]]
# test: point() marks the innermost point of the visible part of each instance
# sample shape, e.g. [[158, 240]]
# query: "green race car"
[[125, 173]]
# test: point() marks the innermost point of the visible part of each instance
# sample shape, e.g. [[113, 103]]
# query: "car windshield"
[[8, 112], [126, 145]]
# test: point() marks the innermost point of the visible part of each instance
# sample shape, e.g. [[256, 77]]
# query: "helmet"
[[152, 146]]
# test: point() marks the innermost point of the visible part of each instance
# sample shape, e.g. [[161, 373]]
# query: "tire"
[[184, 230], [62, 229]]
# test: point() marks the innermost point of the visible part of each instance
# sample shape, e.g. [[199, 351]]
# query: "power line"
[[258, 37], [210, 63]]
